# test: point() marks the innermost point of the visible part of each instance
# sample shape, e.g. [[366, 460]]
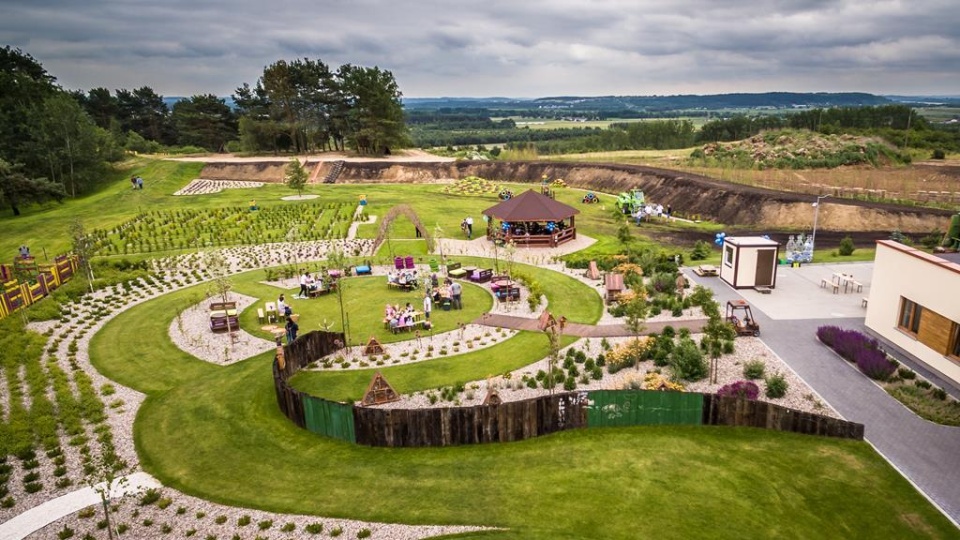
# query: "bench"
[[363, 270], [507, 294], [223, 316], [824, 283], [858, 285], [271, 310], [419, 321], [863, 301], [482, 276], [706, 270], [261, 318], [455, 270], [402, 286]]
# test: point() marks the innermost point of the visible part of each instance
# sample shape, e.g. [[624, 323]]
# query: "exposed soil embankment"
[[732, 204]]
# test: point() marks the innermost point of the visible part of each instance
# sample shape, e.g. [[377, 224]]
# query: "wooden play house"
[[749, 262]]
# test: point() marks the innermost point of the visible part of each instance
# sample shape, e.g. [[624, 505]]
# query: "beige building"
[[749, 261], [915, 304]]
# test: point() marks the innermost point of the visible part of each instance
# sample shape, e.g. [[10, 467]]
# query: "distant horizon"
[[500, 48]]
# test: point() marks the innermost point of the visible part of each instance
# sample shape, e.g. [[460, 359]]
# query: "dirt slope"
[[724, 202]]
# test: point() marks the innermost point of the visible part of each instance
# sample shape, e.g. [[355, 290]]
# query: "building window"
[[728, 255], [910, 316], [955, 342]]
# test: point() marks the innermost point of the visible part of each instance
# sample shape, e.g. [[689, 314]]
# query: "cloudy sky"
[[517, 48]]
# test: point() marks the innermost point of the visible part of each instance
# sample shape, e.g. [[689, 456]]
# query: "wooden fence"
[[15, 294], [729, 411], [518, 420]]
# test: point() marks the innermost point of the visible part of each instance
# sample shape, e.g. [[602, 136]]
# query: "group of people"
[[449, 289], [404, 278], [650, 211], [136, 181], [396, 318], [284, 310], [310, 284], [467, 226]]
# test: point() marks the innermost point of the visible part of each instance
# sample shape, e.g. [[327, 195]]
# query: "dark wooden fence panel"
[[729, 411], [512, 421], [302, 351]]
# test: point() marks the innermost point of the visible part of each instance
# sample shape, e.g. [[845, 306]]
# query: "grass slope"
[[216, 432]]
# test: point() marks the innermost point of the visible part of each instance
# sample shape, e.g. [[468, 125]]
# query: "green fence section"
[[643, 407], [329, 418]]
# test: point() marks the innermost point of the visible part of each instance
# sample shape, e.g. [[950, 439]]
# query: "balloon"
[[719, 238]]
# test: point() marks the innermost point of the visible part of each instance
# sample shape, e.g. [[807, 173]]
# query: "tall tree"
[[72, 145], [205, 121], [102, 107], [142, 110], [295, 176], [376, 113], [25, 86], [16, 188]]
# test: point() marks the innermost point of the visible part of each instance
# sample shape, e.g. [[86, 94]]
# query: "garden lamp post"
[[816, 216]]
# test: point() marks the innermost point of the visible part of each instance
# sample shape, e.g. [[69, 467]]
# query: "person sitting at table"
[[434, 281]]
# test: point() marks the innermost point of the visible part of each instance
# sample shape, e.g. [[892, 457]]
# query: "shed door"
[[765, 265]]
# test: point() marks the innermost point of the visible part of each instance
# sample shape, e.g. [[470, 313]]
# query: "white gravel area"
[[190, 331]]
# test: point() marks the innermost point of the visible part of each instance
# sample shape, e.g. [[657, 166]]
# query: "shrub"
[[701, 250], [740, 389], [846, 246], [363, 533], [314, 528], [874, 364], [149, 497], [776, 386], [753, 369], [65, 532], [687, 361], [940, 394], [570, 383], [906, 373], [336, 531], [922, 384], [244, 520], [288, 527], [265, 524]]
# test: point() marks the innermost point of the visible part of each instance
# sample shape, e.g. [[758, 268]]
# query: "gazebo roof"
[[531, 206]]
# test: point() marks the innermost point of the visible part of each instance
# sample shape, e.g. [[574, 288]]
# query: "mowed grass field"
[[216, 432]]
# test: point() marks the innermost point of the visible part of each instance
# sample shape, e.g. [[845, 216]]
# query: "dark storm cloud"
[[498, 47]]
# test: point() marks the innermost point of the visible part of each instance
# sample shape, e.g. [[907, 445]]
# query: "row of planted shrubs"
[[860, 349]]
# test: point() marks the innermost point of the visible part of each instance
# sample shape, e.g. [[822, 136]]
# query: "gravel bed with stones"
[[190, 331], [81, 321], [513, 386]]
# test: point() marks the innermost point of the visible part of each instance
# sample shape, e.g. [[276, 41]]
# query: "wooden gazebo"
[[531, 219]]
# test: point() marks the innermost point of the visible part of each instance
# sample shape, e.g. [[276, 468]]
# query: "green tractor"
[[630, 201]]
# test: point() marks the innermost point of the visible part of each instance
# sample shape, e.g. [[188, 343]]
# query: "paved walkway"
[[40, 516], [586, 330], [926, 453]]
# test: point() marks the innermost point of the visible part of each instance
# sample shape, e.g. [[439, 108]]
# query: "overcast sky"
[[517, 48]]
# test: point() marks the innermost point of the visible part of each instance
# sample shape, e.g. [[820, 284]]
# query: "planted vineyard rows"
[[164, 230]]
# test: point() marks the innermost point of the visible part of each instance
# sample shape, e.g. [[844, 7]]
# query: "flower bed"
[[860, 349]]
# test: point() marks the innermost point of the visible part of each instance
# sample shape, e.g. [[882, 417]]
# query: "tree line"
[[56, 143]]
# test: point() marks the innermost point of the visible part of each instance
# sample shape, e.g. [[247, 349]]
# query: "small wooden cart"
[[741, 317]]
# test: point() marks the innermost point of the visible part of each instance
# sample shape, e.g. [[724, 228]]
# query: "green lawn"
[[216, 432]]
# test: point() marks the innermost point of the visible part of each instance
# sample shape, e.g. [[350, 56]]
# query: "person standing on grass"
[[427, 304], [304, 278], [469, 221], [455, 291], [292, 328]]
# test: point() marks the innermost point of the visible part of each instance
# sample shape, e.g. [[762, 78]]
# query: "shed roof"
[[750, 241], [531, 206]]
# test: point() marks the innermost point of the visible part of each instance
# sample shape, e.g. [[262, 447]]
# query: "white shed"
[[749, 261]]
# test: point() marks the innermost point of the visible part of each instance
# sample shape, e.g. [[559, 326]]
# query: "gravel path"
[[190, 331]]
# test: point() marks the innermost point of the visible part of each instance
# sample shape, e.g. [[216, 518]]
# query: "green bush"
[[846, 246], [701, 250], [687, 361], [753, 369], [776, 386], [314, 528], [906, 373]]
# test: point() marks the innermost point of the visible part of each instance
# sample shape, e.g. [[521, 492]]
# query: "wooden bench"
[[706, 270], [271, 309], [223, 316], [455, 270], [261, 318], [482, 276], [857, 284], [824, 283]]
